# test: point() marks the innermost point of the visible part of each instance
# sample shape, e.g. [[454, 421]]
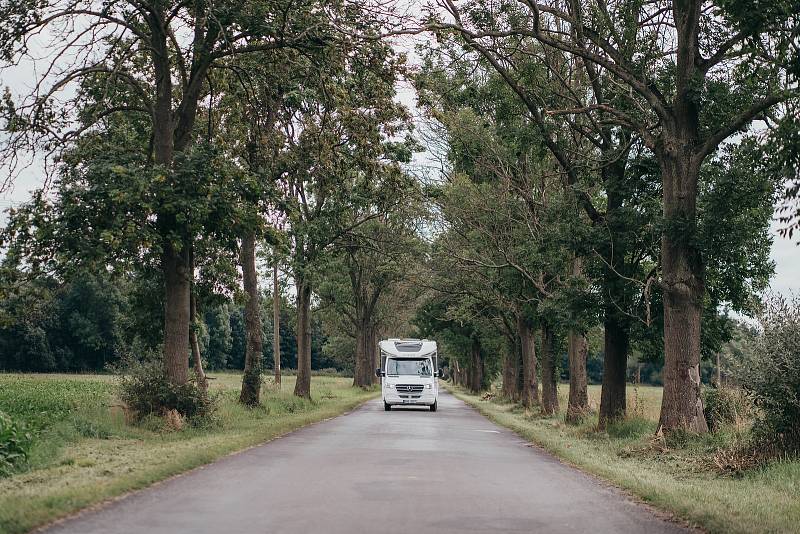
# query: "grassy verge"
[[85, 452], [677, 477]]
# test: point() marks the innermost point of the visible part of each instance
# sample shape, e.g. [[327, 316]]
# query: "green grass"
[[43, 400], [678, 477], [85, 452]]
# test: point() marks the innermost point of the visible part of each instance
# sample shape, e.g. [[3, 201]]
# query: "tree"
[[276, 319], [682, 107], [80, 325], [590, 154], [340, 170], [515, 219], [220, 340], [152, 60], [367, 262], [249, 93]]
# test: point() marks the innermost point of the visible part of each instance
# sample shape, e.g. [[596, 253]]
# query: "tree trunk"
[[302, 387], [683, 290], [577, 347], [476, 367], [276, 325], [251, 380], [369, 361], [549, 379], [529, 396], [719, 372], [363, 372], [199, 373], [361, 356], [376, 355], [617, 297], [578, 404], [682, 283], [511, 369], [615, 361], [533, 370], [177, 291], [174, 261]]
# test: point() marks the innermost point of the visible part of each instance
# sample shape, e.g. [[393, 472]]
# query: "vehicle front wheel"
[[433, 406], [387, 407]]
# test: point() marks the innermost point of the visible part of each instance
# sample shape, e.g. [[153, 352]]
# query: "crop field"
[[40, 401]]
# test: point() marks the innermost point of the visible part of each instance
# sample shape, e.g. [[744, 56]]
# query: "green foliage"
[[725, 406], [220, 341], [78, 325], [15, 443], [146, 391], [40, 404], [771, 374], [735, 209], [89, 427]]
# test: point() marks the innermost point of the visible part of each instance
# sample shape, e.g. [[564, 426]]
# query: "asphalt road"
[[406, 471]]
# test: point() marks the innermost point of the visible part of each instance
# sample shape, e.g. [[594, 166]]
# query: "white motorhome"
[[409, 371]]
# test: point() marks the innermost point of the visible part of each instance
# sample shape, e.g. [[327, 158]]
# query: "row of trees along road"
[[566, 122], [179, 135], [607, 163]]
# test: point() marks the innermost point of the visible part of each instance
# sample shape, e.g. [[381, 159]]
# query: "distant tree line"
[[90, 322]]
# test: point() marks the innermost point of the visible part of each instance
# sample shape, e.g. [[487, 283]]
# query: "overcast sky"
[[785, 253]]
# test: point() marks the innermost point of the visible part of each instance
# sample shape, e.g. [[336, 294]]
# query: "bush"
[[89, 428], [771, 374], [145, 390], [725, 407], [15, 443]]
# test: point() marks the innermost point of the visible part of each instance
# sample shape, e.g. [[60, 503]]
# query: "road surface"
[[407, 471]]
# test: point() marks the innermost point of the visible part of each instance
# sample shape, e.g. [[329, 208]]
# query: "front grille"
[[409, 388]]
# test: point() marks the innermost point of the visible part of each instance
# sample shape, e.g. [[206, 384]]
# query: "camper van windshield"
[[408, 366]]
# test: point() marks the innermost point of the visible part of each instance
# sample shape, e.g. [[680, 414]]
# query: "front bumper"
[[426, 398]]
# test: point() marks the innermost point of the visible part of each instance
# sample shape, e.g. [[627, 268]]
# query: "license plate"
[[408, 401]]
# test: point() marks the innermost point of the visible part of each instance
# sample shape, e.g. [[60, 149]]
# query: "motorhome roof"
[[408, 348]]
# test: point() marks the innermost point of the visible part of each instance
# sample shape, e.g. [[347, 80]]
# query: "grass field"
[[85, 452], [677, 477]]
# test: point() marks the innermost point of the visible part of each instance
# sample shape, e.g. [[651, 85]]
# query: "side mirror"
[[378, 372]]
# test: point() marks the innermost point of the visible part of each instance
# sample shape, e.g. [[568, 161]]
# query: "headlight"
[[428, 386], [389, 386]]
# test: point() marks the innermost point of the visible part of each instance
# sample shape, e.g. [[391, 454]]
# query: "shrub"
[[725, 407], [771, 374], [89, 428], [145, 390], [15, 443]]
